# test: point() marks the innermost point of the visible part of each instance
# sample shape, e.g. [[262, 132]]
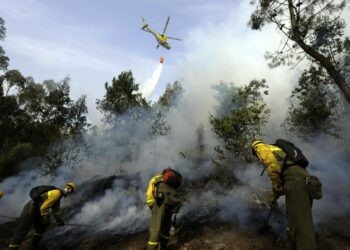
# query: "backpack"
[[293, 153], [36, 192], [169, 176]]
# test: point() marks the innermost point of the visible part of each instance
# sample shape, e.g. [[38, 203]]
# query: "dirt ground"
[[209, 236]]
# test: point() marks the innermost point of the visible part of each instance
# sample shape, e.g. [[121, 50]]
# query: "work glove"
[[273, 200], [277, 188], [46, 219], [60, 222]]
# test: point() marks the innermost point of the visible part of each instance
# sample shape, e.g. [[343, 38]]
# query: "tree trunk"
[[324, 61]]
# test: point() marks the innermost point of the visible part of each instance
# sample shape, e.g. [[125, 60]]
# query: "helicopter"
[[160, 37]]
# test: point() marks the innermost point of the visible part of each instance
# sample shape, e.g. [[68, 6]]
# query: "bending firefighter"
[[288, 175], [36, 213], [164, 204]]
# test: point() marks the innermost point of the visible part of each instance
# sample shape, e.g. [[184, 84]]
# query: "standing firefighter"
[[36, 212], [163, 202], [287, 172]]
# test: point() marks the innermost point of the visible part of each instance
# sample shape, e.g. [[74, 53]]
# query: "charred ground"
[[198, 228]]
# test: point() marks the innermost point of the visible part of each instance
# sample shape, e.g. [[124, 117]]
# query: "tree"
[[3, 58], [35, 119], [313, 29], [13, 126], [127, 113], [316, 108], [159, 127], [66, 121], [241, 115], [171, 95], [121, 96], [200, 146]]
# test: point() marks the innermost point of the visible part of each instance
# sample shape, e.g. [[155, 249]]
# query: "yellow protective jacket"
[[1, 194], [51, 200], [272, 157], [150, 199]]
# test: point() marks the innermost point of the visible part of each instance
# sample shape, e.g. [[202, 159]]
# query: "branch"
[[322, 9], [298, 62]]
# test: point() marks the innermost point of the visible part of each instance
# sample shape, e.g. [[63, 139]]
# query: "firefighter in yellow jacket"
[[36, 213], [1, 194], [289, 181], [162, 199]]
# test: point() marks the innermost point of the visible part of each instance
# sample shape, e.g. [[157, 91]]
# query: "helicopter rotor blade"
[[166, 25], [143, 20], [144, 24], [174, 38]]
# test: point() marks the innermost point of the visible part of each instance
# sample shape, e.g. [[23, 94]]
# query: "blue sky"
[[92, 41]]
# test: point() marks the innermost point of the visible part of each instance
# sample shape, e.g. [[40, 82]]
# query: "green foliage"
[[311, 29], [158, 112], [159, 126], [344, 63], [241, 115], [317, 22], [316, 109], [328, 34], [11, 79], [66, 121], [171, 95], [200, 146], [10, 160], [256, 21], [13, 119], [35, 119], [121, 96], [31, 113], [3, 58]]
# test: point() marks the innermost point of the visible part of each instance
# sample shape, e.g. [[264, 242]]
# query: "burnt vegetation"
[[41, 126]]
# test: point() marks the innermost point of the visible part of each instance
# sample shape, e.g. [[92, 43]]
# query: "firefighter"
[[164, 203], [291, 182], [1, 194], [36, 213]]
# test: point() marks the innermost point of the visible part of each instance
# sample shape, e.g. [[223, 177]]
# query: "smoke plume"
[[151, 83], [113, 173]]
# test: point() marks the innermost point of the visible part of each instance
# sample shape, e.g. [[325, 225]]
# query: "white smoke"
[[223, 51], [117, 208], [151, 83]]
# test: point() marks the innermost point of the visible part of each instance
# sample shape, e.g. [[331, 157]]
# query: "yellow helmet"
[[72, 186], [1, 194]]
